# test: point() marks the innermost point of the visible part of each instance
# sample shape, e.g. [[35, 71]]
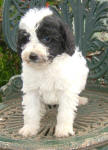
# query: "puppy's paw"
[[28, 130], [64, 131], [83, 100]]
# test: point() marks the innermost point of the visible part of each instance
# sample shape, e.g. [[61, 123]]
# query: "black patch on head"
[[23, 38], [56, 35]]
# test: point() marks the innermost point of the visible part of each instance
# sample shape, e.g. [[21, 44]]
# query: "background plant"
[[9, 63]]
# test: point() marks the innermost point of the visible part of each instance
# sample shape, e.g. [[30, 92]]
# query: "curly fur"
[[53, 71]]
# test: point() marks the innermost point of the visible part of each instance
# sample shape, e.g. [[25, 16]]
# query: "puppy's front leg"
[[66, 114], [31, 112]]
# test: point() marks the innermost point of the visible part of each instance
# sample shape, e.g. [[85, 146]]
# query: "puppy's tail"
[[78, 52], [77, 49], [79, 56]]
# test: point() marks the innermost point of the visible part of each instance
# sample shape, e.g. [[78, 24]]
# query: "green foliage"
[[1, 2], [9, 63], [53, 2]]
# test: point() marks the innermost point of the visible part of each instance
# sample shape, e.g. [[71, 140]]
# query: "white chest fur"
[[65, 73]]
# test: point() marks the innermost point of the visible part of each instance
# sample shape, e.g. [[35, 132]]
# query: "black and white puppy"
[[53, 71]]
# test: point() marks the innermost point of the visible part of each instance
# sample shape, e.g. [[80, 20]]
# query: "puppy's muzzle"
[[33, 57]]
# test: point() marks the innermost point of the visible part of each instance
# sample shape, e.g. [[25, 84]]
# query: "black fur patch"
[[56, 35], [23, 38]]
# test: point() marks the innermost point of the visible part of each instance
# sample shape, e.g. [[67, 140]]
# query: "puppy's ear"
[[68, 39], [22, 39]]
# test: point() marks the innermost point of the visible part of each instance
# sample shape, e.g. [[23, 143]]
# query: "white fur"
[[59, 82], [56, 83], [33, 17]]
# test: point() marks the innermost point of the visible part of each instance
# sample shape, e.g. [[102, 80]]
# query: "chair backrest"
[[86, 18]]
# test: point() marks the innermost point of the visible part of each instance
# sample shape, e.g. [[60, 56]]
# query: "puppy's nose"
[[33, 57]]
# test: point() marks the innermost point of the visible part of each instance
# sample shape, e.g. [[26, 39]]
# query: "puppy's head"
[[42, 36]]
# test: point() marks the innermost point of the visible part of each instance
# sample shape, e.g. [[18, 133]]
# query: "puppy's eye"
[[46, 39], [25, 38]]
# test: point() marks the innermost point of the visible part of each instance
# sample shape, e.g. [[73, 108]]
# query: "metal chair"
[[87, 19]]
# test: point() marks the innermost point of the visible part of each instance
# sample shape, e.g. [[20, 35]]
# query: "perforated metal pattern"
[[89, 119]]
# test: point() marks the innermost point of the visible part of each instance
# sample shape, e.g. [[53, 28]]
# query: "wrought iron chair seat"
[[91, 123]]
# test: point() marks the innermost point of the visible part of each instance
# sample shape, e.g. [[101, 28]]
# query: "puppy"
[[53, 71]]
